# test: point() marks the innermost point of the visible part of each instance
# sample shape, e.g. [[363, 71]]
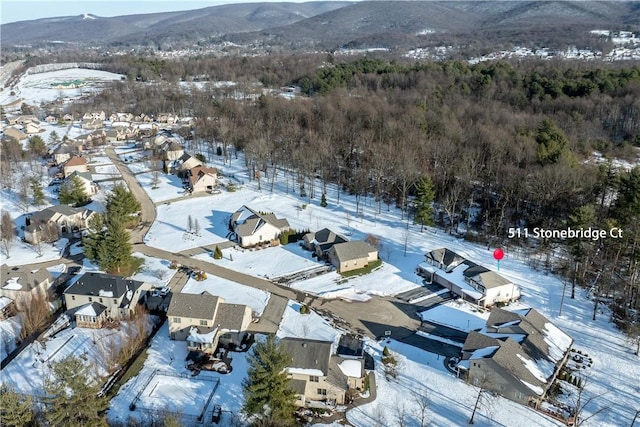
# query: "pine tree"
[[217, 253], [37, 145], [107, 243], [266, 388], [122, 205], [16, 410], [323, 201], [54, 138], [552, 142], [425, 195], [73, 192], [38, 194], [71, 395]]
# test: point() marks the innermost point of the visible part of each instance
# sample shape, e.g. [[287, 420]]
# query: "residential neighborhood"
[[207, 252]]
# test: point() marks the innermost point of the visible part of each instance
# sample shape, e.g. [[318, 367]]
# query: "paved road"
[[148, 211], [371, 318]]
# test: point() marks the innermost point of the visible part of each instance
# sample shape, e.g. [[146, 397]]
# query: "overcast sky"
[[25, 10]]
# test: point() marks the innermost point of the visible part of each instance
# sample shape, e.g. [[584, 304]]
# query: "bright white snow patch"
[[351, 368], [303, 371], [309, 326], [536, 389], [12, 284], [232, 292], [457, 316]]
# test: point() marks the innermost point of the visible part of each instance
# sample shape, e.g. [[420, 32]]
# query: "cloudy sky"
[[25, 10]]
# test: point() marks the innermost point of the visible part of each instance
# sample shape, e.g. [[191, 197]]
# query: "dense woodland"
[[511, 142]]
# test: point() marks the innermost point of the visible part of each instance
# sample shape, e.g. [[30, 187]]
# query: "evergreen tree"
[[38, 194], [627, 205], [54, 138], [425, 195], [72, 192], [323, 201], [107, 243], [71, 395], [217, 253], [266, 388], [552, 142], [16, 410], [122, 205], [37, 145]]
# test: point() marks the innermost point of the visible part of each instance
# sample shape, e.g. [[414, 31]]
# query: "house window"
[[519, 395], [314, 379], [203, 323], [176, 320], [322, 391], [100, 300], [90, 299], [73, 297], [115, 301]]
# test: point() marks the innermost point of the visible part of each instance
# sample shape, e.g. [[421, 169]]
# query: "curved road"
[[372, 318]]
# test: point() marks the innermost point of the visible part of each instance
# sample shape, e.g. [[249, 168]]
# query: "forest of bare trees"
[[506, 145]]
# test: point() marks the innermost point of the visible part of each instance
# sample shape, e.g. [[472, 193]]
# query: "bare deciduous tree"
[[7, 231], [421, 398], [484, 396], [35, 310]]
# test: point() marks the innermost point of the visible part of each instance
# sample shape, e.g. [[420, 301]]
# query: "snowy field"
[[310, 326], [450, 401], [232, 292], [22, 253], [169, 356], [169, 229], [282, 260], [9, 335], [36, 88], [167, 187]]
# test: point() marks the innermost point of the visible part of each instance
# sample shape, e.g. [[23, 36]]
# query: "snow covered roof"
[[4, 301], [92, 309], [195, 336], [351, 368]]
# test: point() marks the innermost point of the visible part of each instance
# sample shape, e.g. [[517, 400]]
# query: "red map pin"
[[498, 254]]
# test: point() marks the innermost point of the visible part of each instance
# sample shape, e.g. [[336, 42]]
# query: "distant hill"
[[333, 24]]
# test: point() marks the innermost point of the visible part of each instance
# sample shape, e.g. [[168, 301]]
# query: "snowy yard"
[[310, 326], [154, 270], [450, 401], [27, 371], [232, 292], [169, 356], [169, 231], [268, 263], [167, 187]]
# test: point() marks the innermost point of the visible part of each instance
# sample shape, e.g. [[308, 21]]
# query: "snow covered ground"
[[282, 260], [154, 270], [311, 326], [9, 335], [35, 88], [167, 187], [450, 401], [169, 356], [232, 292], [28, 370]]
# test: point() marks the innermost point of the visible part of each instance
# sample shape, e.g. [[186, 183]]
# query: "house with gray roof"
[[321, 241], [119, 295], [467, 279], [318, 375], [205, 320], [518, 355], [21, 284], [252, 227], [352, 255], [54, 222]]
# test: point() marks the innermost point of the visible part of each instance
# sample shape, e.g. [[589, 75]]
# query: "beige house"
[[202, 178], [172, 150], [185, 163], [99, 296], [204, 320], [14, 133], [321, 241], [21, 283], [121, 117], [90, 187], [75, 164], [32, 128], [23, 119], [253, 227], [467, 279], [354, 255], [66, 220], [64, 151], [317, 375], [92, 124]]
